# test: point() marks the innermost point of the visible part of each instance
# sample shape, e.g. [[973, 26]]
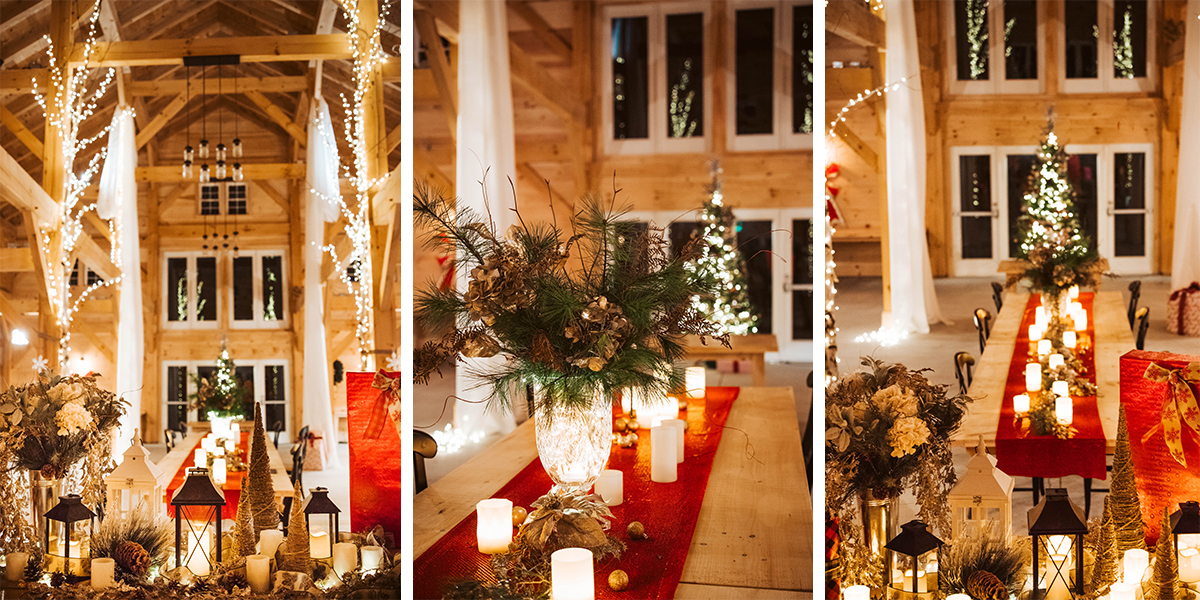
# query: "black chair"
[[983, 324], [964, 365], [169, 438], [998, 296], [424, 446], [806, 443], [276, 429], [1143, 324], [1135, 293], [299, 452]]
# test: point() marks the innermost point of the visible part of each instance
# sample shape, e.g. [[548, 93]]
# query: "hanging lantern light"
[[197, 505], [221, 152], [203, 148], [323, 535], [187, 169], [914, 561], [1057, 527], [1185, 533], [220, 169], [65, 547], [237, 172], [237, 147], [204, 176], [982, 498], [134, 482], [189, 154]]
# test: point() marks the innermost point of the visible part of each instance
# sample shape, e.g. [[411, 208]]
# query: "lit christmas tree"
[[221, 397], [721, 262]]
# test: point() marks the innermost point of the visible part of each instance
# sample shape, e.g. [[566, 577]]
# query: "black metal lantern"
[[1185, 534], [1057, 527], [198, 502], [914, 570], [62, 519], [320, 504]]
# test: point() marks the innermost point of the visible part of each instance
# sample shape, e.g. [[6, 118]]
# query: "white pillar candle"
[[571, 575], [1058, 567], [1033, 377], [14, 565], [235, 431], [1021, 404], [219, 470], [493, 530], [209, 443], [1060, 388], [201, 457], [1123, 591], [1189, 565], [218, 451], [199, 551], [268, 542], [372, 556], [858, 592], [1055, 360], [230, 446], [103, 570], [1074, 307], [1035, 332], [1064, 409], [1081, 320], [1073, 292], [1136, 561], [958, 597], [1039, 315], [611, 487], [695, 382], [258, 573], [679, 426], [662, 454], [318, 544], [1044, 347], [1069, 339], [345, 557]]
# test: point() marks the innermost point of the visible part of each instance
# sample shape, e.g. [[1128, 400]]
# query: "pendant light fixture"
[[188, 152]]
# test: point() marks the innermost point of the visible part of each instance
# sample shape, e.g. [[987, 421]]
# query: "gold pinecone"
[[132, 557], [986, 586]]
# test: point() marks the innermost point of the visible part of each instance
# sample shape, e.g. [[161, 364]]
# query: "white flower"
[[72, 417], [906, 434], [66, 392], [896, 400]]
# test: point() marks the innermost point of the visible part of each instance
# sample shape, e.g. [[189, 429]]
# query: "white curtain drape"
[[117, 200], [485, 144], [320, 207], [1185, 261], [914, 303]]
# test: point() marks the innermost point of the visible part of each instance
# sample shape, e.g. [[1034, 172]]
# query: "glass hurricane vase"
[[1056, 302], [573, 442]]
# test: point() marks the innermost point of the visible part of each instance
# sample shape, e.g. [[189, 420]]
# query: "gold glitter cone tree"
[[296, 551], [1126, 509], [1104, 570], [244, 536], [261, 492], [1166, 572]]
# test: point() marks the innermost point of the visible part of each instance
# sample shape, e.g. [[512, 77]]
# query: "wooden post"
[[877, 56]]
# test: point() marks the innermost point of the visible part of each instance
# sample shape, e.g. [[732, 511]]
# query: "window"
[[210, 199], [1107, 46], [994, 46], [769, 93], [236, 198], [656, 85], [190, 290], [257, 293], [214, 195], [92, 277], [264, 380]]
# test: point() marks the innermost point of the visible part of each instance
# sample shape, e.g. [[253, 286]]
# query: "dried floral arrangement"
[[138, 541], [582, 314], [985, 565]]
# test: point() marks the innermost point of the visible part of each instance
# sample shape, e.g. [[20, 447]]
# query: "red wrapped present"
[[1160, 393], [373, 426], [1183, 311], [315, 456]]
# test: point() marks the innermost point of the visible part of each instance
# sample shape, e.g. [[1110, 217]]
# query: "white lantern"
[[983, 494], [136, 481]]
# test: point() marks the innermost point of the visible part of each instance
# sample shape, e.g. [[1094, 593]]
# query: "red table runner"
[[1020, 453], [668, 511], [233, 479]]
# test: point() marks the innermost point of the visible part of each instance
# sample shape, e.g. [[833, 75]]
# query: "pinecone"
[[132, 557], [986, 586]]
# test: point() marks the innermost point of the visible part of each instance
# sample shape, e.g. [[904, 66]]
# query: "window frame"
[[260, 369], [258, 322], [782, 137], [1106, 205], [656, 50], [191, 322], [996, 83], [1106, 82]]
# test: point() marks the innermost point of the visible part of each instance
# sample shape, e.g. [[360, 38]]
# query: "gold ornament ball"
[[634, 425], [519, 515], [636, 530], [621, 424], [623, 440], [618, 580], [633, 438]]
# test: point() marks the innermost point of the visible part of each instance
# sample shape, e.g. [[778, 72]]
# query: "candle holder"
[[914, 564], [135, 482], [1057, 527], [62, 519], [199, 502], [320, 504], [1185, 535], [982, 496]]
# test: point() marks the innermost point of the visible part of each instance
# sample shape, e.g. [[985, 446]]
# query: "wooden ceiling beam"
[[16, 260], [252, 171], [530, 75], [161, 118], [445, 80], [280, 118], [172, 87], [16, 12], [20, 190], [855, 22], [18, 129], [252, 49], [541, 29]]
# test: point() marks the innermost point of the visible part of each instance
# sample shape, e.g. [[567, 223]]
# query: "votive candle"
[[1064, 409], [1189, 564], [14, 565], [571, 575], [1081, 320], [268, 542], [318, 545], [230, 446], [859, 592], [679, 426], [200, 549], [662, 454], [1035, 332], [1069, 339], [372, 556], [611, 487], [258, 573], [1044, 347], [1136, 561], [1123, 591], [1073, 292], [103, 570], [345, 557], [1039, 315], [201, 457], [695, 382], [235, 431], [1060, 388], [1033, 377], [1055, 360], [494, 528], [1021, 404], [219, 470], [958, 597]]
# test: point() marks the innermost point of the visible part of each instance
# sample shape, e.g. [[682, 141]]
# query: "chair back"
[[998, 296], [169, 439], [983, 324], [276, 429], [1143, 325], [964, 365], [424, 446], [1135, 293], [806, 442]]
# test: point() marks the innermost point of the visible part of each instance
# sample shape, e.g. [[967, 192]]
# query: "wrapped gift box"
[[315, 455], [375, 462], [1183, 311], [1161, 480]]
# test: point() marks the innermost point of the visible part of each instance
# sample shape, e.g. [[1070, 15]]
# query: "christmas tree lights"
[[722, 262], [1050, 221]]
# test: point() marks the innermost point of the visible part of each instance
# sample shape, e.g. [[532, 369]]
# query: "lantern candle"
[[1136, 562], [1189, 565], [695, 382], [1058, 570], [1064, 409], [345, 557], [662, 454], [1069, 339], [372, 556], [1033, 377], [103, 570], [679, 426], [318, 544], [1055, 360], [493, 530], [14, 565], [219, 470], [1044, 347], [1123, 591], [258, 573], [268, 542], [1060, 388], [1021, 404], [611, 487], [857, 592], [571, 575], [199, 548]]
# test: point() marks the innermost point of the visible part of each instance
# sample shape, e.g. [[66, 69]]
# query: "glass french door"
[[264, 381], [1117, 203]]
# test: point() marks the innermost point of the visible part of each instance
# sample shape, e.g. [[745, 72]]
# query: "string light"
[[831, 329]]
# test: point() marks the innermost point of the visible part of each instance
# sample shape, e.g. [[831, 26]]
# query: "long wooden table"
[[1113, 339], [174, 459], [753, 537], [752, 348]]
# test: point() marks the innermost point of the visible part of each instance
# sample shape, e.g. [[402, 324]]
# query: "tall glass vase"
[[43, 495], [1056, 303], [573, 442], [881, 521]]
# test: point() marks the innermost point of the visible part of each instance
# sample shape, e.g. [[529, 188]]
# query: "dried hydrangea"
[[906, 434], [72, 417]]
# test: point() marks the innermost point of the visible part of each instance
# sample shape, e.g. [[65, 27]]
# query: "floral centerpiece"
[[577, 316]]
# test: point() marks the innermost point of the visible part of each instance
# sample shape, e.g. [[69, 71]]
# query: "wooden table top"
[[753, 536], [1113, 338], [754, 343], [171, 463]]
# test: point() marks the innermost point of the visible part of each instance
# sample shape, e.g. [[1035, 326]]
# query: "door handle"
[[995, 210]]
